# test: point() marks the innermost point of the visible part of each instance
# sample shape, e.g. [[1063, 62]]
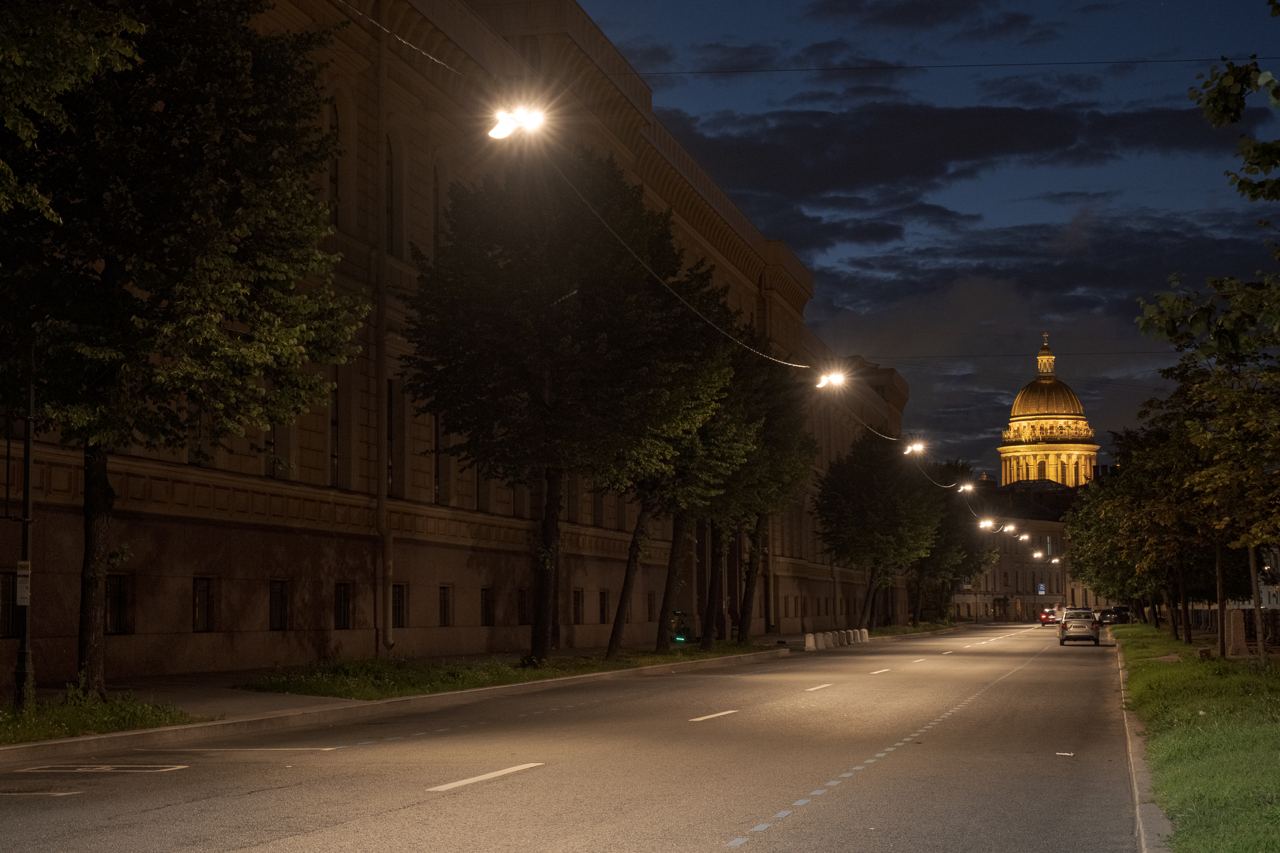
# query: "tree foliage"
[[182, 296], [48, 50], [876, 512], [547, 345]]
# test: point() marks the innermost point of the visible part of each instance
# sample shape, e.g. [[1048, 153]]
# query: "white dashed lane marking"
[[711, 716], [819, 687], [484, 777], [878, 671], [918, 660]]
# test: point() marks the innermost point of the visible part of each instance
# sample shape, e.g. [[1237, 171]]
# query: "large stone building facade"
[[355, 533]]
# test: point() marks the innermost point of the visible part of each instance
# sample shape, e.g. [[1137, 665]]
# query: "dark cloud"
[[645, 54], [827, 97], [902, 14], [1075, 197], [915, 148], [720, 56], [1007, 25], [1040, 90]]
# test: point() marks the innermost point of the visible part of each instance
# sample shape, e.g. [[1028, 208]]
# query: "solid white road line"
[[878, 671], [819, 687], [485, 777], [711, 716]]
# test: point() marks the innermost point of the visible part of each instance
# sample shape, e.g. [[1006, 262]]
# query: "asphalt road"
[[988, 739]]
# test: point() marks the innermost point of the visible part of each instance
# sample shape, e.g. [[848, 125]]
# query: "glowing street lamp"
[[1010, 528], [1039, 555], [965, 487], [986, 524], [831, 380], [914, 447], [1026, 537], [1055, 561], [521, 118]]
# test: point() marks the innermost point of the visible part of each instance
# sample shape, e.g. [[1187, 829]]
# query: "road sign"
[[1039, 589]]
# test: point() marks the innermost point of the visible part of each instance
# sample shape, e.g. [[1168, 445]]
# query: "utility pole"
[[23, 673]]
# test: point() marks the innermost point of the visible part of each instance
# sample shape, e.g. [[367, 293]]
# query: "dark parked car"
[[1107, 616], [1120, 615]]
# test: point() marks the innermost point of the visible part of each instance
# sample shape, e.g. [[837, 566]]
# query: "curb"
[[1151, 824], [329, 715]]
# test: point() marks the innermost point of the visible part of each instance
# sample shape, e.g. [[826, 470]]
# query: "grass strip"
[[387, 678], [1213, 741], [77, 713]]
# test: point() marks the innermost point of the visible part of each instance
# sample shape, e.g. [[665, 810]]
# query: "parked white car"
[[1079, 625]]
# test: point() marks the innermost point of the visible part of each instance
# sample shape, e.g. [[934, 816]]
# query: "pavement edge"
[[88, 746], [1152, 825]]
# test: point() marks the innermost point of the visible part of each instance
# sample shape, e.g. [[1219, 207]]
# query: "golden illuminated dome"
[[1048, 438], [1046, 395]]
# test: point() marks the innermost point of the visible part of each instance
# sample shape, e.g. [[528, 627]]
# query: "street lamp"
[[831, 380], [986, 523], [965, 487], [521, 118], [1037, 555], [914, 447]]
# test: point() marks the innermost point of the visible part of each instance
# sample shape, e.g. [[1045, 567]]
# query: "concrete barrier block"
[[848, 637], [809, 644], [865, 634]]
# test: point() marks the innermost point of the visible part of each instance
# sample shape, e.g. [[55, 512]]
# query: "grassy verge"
[[923, 627], [77, 713], [1213, 737], [387, 678]]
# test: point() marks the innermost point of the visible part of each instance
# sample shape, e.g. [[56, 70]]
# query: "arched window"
[[1040, 470]]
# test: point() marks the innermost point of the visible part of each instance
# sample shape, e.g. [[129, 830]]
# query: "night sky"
[[950, 214]]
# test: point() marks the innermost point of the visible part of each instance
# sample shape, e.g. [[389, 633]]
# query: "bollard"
[[809, 645], [855, 636], [830, 641], [848, 637], [865, 634]]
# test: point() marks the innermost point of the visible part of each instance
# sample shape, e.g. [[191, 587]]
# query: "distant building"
[[1046, 454], [1048, 436]]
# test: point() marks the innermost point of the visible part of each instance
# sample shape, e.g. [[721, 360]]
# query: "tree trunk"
[[1259, 629], [546, 558], [1155, 611], [679, 540], [99, 499], [715, 588], [749, 582], [868, 600], [638, 536], [1185, 605], [1172, 597], [1220, 578], [919, 603]]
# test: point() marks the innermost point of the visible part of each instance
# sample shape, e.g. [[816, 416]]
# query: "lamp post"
[[24, 672]]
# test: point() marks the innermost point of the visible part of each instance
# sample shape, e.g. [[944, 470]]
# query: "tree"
[[768, 396], [871, 514], [1228, 337], [46, 51], [960, 551], [168, 307], [547, 344]]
